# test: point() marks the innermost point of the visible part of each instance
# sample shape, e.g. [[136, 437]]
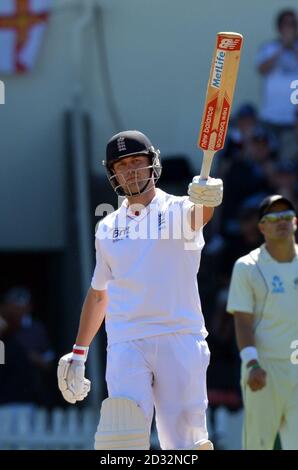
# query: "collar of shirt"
[[267, 257]]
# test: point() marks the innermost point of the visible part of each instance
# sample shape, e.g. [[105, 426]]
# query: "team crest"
[[161, 220], [121, 144], [277, 285]]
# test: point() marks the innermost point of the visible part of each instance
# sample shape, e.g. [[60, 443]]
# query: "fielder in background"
[[263, 297], [145, 285]]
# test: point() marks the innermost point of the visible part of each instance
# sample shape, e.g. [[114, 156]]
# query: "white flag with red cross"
[[22, 26]]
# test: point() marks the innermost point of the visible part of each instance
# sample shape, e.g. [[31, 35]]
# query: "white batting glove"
[[71, 375], [208, 193]]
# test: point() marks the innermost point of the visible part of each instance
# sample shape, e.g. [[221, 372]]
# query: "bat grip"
[[206, 164]]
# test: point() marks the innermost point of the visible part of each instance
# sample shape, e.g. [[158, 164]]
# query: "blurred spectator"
[[245, 123], [247, 238], [221, 251], [285, 181], [294, 156], [176, 174], [28, 356], [247, 176], [239, 133], [277, 62], [262, 145]]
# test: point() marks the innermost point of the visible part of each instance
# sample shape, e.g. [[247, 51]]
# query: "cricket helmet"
[[129, 144]]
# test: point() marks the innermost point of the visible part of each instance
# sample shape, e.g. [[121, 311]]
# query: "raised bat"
[[219, 97]]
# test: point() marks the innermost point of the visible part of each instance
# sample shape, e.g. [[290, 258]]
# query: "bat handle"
[[206, 164]]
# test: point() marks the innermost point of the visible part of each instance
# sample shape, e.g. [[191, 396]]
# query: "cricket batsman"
[[145, 286]]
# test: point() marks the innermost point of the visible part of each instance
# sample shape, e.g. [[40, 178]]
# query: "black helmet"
[[127, 144]]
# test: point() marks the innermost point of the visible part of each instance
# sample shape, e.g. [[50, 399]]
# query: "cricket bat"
[[219, 97]]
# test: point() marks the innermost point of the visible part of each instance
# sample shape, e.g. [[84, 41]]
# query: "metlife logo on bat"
[[224, 44], [218, 69]]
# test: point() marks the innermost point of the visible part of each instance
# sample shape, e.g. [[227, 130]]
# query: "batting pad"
[[122, 426], [203, 445]]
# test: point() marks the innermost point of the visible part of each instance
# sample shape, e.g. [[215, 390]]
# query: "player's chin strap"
[[122, 426], [140, 191]]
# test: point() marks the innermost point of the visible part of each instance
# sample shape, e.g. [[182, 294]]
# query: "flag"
[[22, 26]]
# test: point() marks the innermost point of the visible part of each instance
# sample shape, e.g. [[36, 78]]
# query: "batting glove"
[[208, 193], [71, 375]]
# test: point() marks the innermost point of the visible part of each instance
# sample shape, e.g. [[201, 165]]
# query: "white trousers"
[[273, 409], [167, 372]]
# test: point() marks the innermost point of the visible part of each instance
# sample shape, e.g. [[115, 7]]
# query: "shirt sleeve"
[[241, 298], [102, 272], [193, 239]]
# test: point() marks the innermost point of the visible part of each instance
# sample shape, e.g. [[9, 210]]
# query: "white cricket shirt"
[[149, 264], [267, 289]]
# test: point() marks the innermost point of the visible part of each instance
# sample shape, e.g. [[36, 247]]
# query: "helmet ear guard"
[[156, 164]]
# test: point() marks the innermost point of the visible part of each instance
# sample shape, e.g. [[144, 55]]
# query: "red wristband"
[[80, 353]]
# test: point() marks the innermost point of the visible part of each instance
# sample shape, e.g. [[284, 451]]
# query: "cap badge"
[[121, 144]]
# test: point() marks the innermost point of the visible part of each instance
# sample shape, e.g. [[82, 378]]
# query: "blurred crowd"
[[260, 158], [28, 374]]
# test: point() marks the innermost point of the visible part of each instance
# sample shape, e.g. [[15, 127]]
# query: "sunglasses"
[[277, 216]]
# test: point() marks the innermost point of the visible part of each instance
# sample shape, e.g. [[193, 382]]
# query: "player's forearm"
[[199, 216], [244, 330], [92, 316]]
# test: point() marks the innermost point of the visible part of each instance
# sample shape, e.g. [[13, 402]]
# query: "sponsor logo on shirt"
[[277, 285], [120, 234]]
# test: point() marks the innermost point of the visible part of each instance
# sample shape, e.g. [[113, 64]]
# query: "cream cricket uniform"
[[269, 290], [157, 353]]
